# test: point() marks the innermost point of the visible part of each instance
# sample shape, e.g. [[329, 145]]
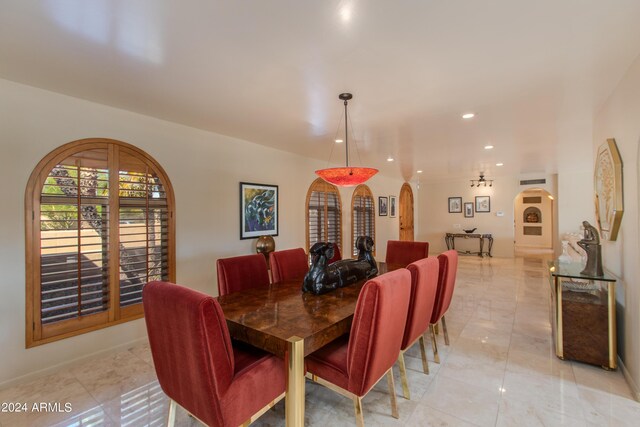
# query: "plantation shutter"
[[143, 229], [362, 216], [100, 226], [324, 214], [74, 232]]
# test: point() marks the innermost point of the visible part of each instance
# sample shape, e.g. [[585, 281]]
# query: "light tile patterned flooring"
[[500, 370]]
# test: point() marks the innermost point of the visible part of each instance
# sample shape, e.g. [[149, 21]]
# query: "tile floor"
[[500, 370]]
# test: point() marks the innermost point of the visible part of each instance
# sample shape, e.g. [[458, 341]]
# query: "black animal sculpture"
[[323, 277]]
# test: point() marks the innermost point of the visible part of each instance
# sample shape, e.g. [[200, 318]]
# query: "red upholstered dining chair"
[[290, 264], [242, 272], [337, 256], [401, 253], [197, 365], [424, 283], [353, 364], [446, 282]]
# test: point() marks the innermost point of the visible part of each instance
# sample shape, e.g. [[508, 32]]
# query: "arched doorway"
[[534, 221], [405, 213]]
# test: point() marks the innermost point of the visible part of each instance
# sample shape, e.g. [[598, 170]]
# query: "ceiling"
[[270, 72]]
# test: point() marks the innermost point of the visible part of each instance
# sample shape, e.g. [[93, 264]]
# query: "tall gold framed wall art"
[[608, 190]]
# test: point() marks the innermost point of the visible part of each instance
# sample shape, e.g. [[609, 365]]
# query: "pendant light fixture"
[[347, 176]]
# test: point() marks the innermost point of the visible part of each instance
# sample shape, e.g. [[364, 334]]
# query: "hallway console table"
[[449, 239], [583, 315]]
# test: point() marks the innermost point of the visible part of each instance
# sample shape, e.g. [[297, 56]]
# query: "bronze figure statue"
[[323, 277], [591, 244]]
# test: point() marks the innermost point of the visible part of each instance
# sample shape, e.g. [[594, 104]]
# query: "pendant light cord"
[[346, 132]]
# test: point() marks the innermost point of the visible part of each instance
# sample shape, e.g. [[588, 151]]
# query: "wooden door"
[[406, 213]]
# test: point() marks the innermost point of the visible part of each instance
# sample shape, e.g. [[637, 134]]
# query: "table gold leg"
[[294, 399], [613, 345]]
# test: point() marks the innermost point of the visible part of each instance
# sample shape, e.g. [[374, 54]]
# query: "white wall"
[[387, 228], [435, 221], [619, 119], [204, 168]]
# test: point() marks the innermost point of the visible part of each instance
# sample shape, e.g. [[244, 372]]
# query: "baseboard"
[[635, 391], [52, 369]]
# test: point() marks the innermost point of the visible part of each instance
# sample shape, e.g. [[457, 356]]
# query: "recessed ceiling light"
[[339, 141], [389, 159], [419, 171], [499, 164], [468, 115], [488, 147]]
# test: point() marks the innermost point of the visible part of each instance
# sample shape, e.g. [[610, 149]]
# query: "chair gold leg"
[[403, 376], [444, 331], [436, 328], [357, 405], [171, 421], [423, 350], [434, 344], [392, 394]]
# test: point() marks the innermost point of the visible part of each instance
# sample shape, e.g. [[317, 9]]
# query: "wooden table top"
[[267, 317]]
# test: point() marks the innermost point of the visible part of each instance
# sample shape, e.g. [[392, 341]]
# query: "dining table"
[[291, 324]]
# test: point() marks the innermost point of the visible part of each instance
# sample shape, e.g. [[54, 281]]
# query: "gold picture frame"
[[607, 182]]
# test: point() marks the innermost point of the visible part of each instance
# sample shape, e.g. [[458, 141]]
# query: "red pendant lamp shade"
[[347, 176]]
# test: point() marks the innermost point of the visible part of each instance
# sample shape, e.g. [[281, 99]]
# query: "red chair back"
[[377, 329], [290, 264], [446, 281], [424, 283], [190, 346], [241, 273], [337, 256], [402, 253]]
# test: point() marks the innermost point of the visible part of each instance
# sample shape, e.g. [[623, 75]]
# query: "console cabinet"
[[583, 315]]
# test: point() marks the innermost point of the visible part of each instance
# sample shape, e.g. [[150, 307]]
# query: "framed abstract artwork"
[[383, 206], [258, 210], [468, 210], [483, 204], [607, 178], [455, 204]]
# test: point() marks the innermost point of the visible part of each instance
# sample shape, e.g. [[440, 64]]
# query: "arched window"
[[99, 226], [324, 214], [363, 216]]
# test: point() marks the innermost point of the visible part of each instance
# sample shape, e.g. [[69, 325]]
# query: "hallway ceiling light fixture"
[[347, 176], [468, 115], [481, 181]]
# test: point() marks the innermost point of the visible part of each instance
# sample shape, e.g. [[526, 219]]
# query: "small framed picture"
[[468, 210], [392, 206], [258, 210], [455, 204], [483, 204], [383, 202]]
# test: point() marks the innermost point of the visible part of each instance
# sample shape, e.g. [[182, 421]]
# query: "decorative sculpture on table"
[[323, 277], [591, 244]]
